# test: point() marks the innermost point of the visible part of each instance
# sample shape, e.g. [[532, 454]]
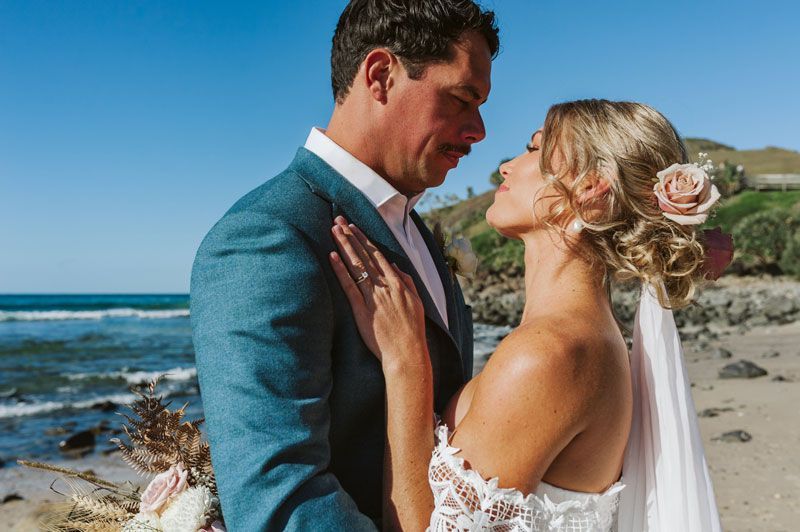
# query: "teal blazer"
[[294, 400]]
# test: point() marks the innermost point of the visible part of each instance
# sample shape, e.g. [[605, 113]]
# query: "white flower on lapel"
[[461, 258]]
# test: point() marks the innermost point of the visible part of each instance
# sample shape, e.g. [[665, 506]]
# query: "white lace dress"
[[464, 501]]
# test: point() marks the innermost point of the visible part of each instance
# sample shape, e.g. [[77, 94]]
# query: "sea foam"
[[57, 315], [138, 377]]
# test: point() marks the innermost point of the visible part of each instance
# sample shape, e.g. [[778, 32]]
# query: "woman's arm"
[[391, 320], [407, 498]]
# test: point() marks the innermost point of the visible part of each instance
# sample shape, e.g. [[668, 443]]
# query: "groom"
[[293, 398]]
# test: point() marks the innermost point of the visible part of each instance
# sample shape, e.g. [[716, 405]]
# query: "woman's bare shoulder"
[[544, 351]]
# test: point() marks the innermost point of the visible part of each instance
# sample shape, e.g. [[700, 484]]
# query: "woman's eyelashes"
[[530, 147]]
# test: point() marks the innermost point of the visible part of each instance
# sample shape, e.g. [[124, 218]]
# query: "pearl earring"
[[576, 226]]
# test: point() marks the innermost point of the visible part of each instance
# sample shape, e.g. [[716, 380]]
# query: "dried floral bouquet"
[[181, 497]]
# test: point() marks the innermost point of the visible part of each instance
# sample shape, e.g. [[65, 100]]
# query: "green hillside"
[[467, 217], [769, 160]]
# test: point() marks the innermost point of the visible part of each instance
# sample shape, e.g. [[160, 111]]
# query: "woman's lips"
[[502, 188]]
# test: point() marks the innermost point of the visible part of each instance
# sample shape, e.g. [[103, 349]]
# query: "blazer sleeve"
[[262, 321]]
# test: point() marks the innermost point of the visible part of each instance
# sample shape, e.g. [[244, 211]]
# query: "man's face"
[[433, 121]]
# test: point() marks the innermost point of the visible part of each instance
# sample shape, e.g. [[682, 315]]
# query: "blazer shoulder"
[[286, 196], [285, 203]]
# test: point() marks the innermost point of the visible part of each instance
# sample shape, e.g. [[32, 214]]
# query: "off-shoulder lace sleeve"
[[465, 501]]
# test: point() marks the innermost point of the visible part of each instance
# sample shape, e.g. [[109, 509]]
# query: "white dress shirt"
[[393, 207]]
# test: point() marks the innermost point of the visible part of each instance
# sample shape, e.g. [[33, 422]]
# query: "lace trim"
[[531, 509]]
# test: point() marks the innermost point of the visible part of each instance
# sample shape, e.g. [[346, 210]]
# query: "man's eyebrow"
[[473, 91]]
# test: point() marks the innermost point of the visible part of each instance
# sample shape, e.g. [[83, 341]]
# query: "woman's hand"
[[390, 317], [388, 311]]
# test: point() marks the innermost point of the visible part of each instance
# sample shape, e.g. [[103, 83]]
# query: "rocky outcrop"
[[730, 304]]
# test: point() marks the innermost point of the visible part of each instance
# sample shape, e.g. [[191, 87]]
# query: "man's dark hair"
[[419, 32]]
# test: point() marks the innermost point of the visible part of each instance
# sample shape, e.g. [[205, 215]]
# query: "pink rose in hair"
[[165, 485], [685, 193]]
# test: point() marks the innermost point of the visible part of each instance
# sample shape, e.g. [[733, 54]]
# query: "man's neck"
[[360, 142]]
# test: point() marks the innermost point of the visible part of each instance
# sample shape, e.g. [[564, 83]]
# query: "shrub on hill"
[[761, 240]]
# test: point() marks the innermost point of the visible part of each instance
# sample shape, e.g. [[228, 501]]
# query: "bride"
[[564, 429]]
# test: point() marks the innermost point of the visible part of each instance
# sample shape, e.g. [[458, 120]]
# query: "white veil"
[[668, 488]]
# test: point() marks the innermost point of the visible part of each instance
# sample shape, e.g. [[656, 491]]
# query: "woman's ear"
[[593, 189]]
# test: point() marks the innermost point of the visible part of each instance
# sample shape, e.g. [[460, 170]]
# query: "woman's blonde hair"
[[625, 143]]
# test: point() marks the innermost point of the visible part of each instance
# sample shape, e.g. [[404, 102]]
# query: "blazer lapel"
[[445, 275], [348, 201]]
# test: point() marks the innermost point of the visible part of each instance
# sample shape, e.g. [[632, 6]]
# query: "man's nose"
[[475, 131]]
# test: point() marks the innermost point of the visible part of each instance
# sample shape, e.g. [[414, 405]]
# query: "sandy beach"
[[757, 482]]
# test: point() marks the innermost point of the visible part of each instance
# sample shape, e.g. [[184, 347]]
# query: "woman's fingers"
[[405, 278], [354, 295], [375, 254], [356, 244], [352, 259]]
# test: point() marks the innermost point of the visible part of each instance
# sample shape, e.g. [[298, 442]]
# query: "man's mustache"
[[463, 148]]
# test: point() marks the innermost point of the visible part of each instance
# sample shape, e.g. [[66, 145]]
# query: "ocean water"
[[67, 363]]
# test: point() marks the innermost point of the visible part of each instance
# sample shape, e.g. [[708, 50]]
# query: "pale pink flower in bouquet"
[[163, 487], [685, 193]]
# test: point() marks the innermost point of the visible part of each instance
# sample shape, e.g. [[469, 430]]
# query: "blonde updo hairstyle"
[[624, 231]]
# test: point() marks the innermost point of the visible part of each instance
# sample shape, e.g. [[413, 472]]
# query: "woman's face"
[[514, 212]]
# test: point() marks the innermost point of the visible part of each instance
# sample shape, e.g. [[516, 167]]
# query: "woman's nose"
[[505, 169]]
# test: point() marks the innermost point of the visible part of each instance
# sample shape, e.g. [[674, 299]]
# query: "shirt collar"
[[377, 190]]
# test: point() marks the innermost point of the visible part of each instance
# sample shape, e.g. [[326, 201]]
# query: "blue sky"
[[128, 128]]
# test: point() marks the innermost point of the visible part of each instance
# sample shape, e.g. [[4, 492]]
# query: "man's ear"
[[593, 189], [378, 66]]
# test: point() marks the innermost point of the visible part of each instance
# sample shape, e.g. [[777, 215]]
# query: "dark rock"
[[78, 444], [744, 369], [12, 497], [738, 311], [781, 378], [2, 463], [714, 412], [720, 353], [105, 406], [772, 353], [9, 393], [777, 306], [734, 436]]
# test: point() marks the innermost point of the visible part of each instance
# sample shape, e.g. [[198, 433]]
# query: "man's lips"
[[453, 156]]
